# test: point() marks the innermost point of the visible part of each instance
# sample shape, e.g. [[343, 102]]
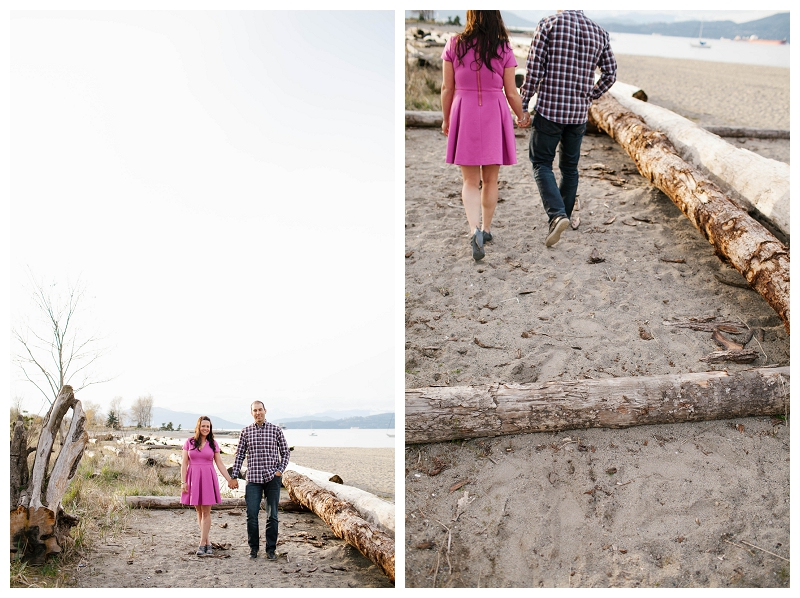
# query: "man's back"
[[566, 49]]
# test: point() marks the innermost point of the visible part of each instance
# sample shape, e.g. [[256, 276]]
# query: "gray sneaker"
[[557, 226], [209, 550], [201, 551]]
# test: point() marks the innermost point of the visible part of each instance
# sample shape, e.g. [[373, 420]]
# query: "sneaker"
[[209, 551], [201, 551], [477, 245], [557, 226], [271, 555], [253, 555], [487, 237]]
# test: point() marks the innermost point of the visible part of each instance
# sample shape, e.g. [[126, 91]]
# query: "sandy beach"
[[157, 549], [675, 505]]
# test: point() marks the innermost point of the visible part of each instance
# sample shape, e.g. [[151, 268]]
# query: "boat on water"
[[700, 43]]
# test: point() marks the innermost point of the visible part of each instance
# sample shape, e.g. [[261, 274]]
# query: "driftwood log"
[[174, 502], [39, 525], [344, 520], [439, 414], [749, 247], [758, 184], [370, 507]]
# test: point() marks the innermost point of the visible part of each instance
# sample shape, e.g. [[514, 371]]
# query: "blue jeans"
[[271, 491], [558, 200]]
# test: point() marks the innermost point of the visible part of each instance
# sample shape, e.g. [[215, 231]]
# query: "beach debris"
[[707, 324], [644, 334], [409, 253], [444, 291], [425, 545], [515, 265], [463, 503], [610, 221], [552, 478], [484, 345], [676, 260], [629, 222], [724, 342], [594, 257], [611, 470], [740, 428], [641, 219], [743, 356], [460, 484], [575, 222]]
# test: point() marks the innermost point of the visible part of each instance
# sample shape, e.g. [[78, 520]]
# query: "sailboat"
[[390, 427], [700, 43]]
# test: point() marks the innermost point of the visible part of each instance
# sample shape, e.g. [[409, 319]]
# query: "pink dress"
[[201, 476], [481, 127]]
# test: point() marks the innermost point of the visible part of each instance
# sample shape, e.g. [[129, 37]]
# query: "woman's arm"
[[184, 469], [513, 97], [448, 90], [221, 466]]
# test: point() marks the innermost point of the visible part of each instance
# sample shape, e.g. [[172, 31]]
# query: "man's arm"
[[284, 451], [536, 64], [608, 72], [241, 450]]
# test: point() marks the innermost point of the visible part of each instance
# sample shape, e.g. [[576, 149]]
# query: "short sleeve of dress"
[[448, 54], [187, 446], [509, 60]]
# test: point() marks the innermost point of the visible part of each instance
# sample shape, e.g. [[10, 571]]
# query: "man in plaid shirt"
[[566, 50], [267, 457]]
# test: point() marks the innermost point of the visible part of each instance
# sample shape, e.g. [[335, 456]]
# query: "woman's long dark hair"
[[486, 33], [209, 438]]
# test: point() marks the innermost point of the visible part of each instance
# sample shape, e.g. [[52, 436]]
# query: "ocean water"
[[665, 46], [362, 438]]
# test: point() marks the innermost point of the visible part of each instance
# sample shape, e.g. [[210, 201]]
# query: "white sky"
[[224, 184]]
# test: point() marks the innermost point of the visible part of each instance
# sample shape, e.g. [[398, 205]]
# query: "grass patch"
[[423, 87]]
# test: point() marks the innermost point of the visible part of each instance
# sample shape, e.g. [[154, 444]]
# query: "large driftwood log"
[[439, 414], [19, 460], [370, 507], [39, 525], [749, 247], [344, 520], [754, 182], [174, 502]]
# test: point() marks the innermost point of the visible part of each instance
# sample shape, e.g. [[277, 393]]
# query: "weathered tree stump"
[[39, 526]]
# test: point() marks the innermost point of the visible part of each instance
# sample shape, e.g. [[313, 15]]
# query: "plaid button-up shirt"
[[566, 49], [266, 450]]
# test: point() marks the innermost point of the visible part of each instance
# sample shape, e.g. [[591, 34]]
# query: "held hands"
[[525, 121], [233, 484]]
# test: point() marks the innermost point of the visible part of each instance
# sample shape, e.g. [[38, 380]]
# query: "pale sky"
[[224, 184]]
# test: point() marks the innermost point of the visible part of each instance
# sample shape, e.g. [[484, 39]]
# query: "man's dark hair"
[[259, 402]]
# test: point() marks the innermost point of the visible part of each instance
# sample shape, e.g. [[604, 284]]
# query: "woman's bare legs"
[[204, 520], [471, 195], [489, 173]]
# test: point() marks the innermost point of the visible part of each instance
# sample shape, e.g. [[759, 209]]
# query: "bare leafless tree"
[[142, 411], [55, 347], [116, 414]]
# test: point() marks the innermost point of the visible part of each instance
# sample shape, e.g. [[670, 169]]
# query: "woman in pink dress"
[[199, 485], [477, 89]]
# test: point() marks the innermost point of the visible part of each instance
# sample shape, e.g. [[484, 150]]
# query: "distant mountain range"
[[772, 27], [325, 420]]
